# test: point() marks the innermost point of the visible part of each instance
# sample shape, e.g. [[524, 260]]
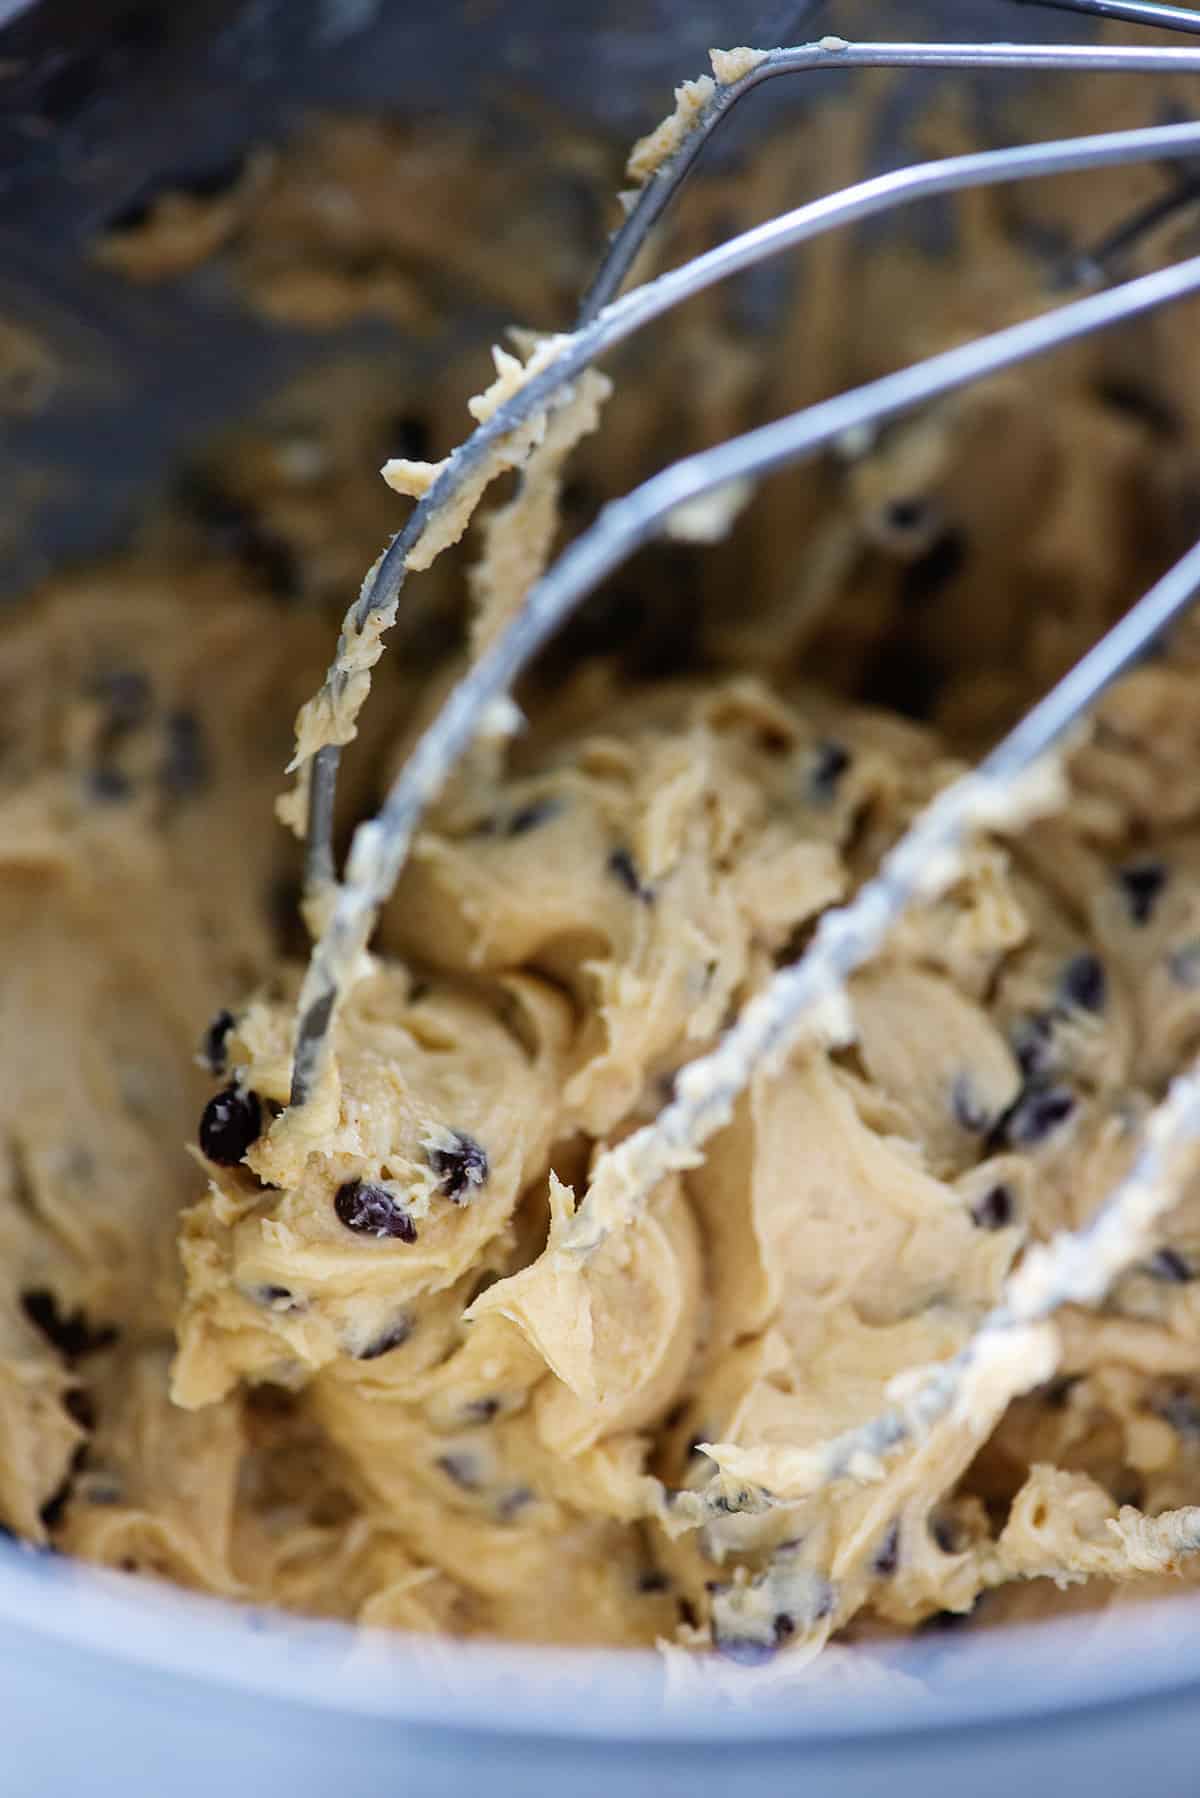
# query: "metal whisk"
[[1014, 781]]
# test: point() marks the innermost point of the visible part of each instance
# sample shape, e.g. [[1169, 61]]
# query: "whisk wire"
[[381, 589], [380, 846]]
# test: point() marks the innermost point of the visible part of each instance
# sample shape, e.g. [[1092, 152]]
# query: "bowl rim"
[[1131, 1652]]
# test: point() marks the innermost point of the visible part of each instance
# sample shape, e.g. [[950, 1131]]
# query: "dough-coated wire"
[[1074, 1267], [924, 863], [600, 326], [380, 845]]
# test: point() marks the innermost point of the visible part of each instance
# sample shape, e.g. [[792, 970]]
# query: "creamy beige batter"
[[374, 1381]]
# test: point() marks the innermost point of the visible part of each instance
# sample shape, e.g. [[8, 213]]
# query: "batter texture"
[[355, 1367]]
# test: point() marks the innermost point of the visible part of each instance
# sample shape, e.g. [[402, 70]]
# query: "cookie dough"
[[362, 1372]]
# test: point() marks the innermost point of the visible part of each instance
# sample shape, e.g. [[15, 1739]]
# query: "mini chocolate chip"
[[887, 1556], [996, 1209], [927, 574], [687, 1612], [1128, 1489], [275, 1295], [623, 867], [79, 1404], [943, 1620], [1142, 883], [784, 1625], [372, 1211], [69, 1332], [970, 1113], [906, 514], [229, 1123], [529, 817], [823, 1602], [1183, 965], [233, 529], [215, 1040], [1037, 1114], [407, 435], [511, 1502], [653, 1580], [1084, 983], [945, 1533], [53, 1510], [463, 1469], [185, 764], [125, 695], [830, 762], [1057, 1391], [1168, 1265], [461, 1166], [1181, 1410], [109, 784], [1032, 1039], [746, 1651], [393, 1338]]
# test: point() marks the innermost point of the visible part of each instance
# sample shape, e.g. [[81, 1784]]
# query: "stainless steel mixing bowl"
[[109, 1685]]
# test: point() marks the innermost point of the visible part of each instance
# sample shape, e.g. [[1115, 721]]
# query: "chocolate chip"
[[372, 1211], [185, 764], [52, 1512], [461, 1166], [1037, 1114], [1084, 983], [463, 1469], [1140, 403], [214, 1042], [1181, 1410], [393, 1338], [229, 1123], [282, 1296], [1142, 882], [945, 1533], [927, 574], [79, 1404], [69, 1332], [970, 1113], [943, 1620], [1168, 1265], [823, 1601], [510, 1503], [1183, 965], [996, 1209], [830, 762], [407, 435], [746, 1651], [653, 1580], [109, 784], [903, 677], [125, 695], [233, 529], [1032, 1039], [784, 1625], [623, 867], [905, 515], [529, 817], [887, 1556]]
